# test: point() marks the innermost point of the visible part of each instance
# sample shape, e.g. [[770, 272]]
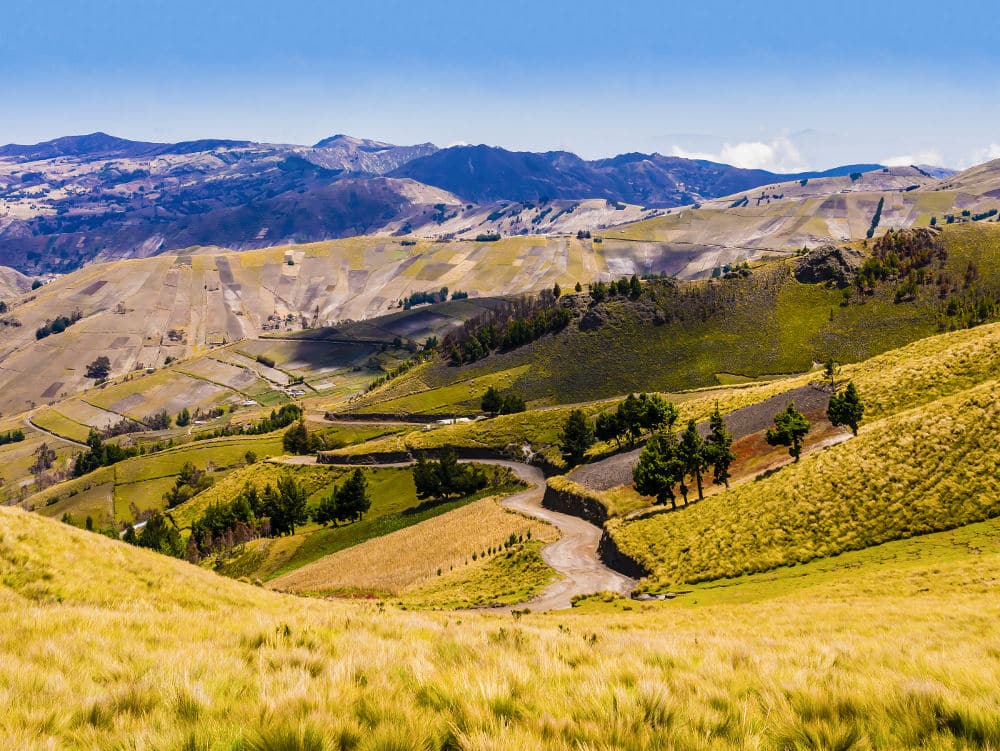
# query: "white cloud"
[[777, 155], [928, 156], [987, 154]]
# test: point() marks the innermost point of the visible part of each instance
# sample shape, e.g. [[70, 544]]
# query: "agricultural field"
[[391, 563], [234, 659], [107, 494]]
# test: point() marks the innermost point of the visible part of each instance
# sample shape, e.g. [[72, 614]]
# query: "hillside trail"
[[573, 556]]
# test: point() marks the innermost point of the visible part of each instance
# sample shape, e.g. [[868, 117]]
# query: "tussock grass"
[[118, 647], [509, 577], [924, 470]]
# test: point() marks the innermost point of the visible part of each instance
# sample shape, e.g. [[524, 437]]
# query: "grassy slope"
[[929, 468], [115, 646], [773, 325]]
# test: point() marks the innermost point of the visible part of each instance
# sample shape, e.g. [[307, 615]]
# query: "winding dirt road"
[[573, 556]]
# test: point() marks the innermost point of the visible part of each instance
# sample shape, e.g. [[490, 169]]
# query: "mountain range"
[[71, 200]]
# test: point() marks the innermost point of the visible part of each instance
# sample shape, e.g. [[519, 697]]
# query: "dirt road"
[[573, 556]]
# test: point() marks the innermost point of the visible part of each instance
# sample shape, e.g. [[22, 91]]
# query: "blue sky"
[[780, 85]]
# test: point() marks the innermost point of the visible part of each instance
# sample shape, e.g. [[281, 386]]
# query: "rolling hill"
[[72, 200]]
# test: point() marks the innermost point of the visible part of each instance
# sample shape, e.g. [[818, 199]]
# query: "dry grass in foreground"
[[108, 647]]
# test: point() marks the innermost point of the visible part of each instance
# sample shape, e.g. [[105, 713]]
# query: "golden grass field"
[[391, 563], [115, 647]]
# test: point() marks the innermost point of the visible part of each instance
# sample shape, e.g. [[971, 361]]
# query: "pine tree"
[[635, 288], [296, 439], [426, 480], [659, 469], [693, 455], [492, 402], [846, 408], [183, 418], [578, 288], [718, 447], [556, 290], [353, 500], [608, 428], [790, 427], [328, 510], [577, 436]]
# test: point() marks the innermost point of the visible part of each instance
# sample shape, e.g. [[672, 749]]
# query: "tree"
[[577, 436], [846, 408], [492, 402], [183, 418], [161, 534], [659, 469], [187, 484], [632, 415], [578, 288], [99, 368], [44, 458], [556, 290], [512, 404], [426, 479], [296, 439], [790, 427], [693, 456], [286, 506], [609, 428], [353, 500], [718, 447], [829, 369], [634, 287], [656, 413], [445, 477]]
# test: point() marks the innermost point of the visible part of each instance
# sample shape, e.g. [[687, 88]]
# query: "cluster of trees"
[[298, 440], [99, 369], [668, 461], [443, 477], [57, 325], [159, 534], [630, 288], [512, 325], [421, 298], [123, 427], [645, 413], [251, 514], [158, 420], [347, 502], [277, 420], [187, 485], [429, 345], [494, 403], [11, 436], [101, 454], [906, 254]]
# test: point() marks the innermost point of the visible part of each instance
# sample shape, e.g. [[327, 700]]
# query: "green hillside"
[[706, 333]]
